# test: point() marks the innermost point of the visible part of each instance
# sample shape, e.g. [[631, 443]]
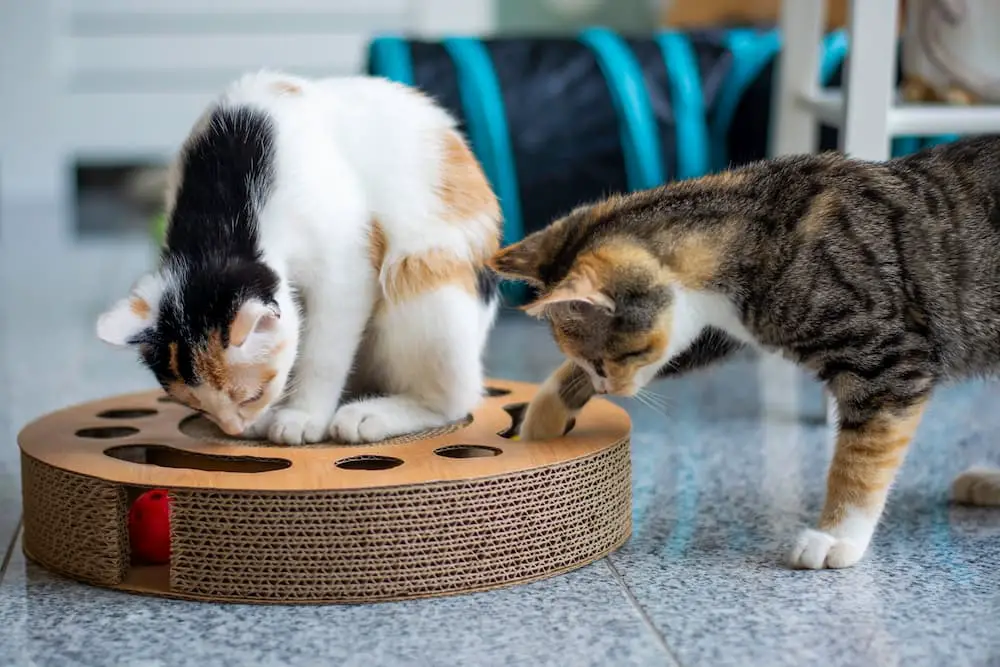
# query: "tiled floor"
[[721, 484]]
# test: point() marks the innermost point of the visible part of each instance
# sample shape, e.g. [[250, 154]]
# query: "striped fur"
[[881, 278]]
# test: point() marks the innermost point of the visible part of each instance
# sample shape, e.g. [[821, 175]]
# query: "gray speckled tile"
[[724, 485], [581, 618]]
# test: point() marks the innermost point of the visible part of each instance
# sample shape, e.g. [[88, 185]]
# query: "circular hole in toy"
[[467, 451], [107, 432], [169, 457], [127, 413], [517, 412], [493, 392], [369, 462]]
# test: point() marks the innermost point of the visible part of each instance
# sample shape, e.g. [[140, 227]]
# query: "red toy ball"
[[149, 527]]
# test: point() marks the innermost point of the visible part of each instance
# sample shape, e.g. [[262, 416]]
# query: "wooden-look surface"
[[52, 439]]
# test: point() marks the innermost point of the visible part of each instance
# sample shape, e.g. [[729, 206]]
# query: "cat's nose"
[[231, 427]]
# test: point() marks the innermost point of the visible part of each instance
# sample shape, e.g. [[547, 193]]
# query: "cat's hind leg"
[[427, 360], [868, 454], [978, 485]]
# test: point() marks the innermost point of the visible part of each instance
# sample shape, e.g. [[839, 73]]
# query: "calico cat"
[[320, 231], [881, 278]]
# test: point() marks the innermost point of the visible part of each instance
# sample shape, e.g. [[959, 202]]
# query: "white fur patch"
[[123, 321], [694, 311], [842, 546]]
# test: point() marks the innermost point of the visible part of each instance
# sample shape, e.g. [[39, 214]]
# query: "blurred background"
[[97, 94]]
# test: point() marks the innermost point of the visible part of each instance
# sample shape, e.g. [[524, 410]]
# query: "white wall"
[[119, 80]]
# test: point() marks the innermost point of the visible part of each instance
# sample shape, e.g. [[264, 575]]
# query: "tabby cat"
[[881, 278], [325, 237]]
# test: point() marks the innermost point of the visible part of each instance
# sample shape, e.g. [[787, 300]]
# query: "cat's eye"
[[634, 354], [256, 397]]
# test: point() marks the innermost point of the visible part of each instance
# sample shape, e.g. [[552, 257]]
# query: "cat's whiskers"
[[653, 401], [657, 397], [644, 400]]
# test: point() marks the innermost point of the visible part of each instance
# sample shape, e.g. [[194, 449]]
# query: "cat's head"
[[609, 301], [216, 341]]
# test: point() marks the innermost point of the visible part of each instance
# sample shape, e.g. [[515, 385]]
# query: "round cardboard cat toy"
[[456, 509]]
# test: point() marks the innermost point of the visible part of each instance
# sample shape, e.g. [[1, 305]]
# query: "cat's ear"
[[254, 328], [126, 321], [577, 290], [521, 260]]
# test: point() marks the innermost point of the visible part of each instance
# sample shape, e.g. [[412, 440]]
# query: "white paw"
[[374, 420], [296, 427], [816, 550], [978, 486]]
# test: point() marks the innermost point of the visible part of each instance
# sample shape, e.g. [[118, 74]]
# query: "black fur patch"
[[227, 169], [487, 284], [212, 243]]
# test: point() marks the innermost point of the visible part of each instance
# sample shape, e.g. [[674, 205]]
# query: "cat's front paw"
[[544, 420], [380, 418], [362, 422], [291, 426], [816, 550]]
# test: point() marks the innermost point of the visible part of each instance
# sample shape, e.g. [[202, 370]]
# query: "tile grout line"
[[639, 609], [9, 554]]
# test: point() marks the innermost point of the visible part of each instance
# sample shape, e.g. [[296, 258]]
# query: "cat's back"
[[970, 165], [365, 114]]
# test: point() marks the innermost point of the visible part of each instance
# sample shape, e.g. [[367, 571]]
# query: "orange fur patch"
[[377, 245], [865, 464], [694, 258], [465, 193], [286, 88], [416, 274], [183, 393], [599, 265], [173, 363], [139, 307], [209, 362]]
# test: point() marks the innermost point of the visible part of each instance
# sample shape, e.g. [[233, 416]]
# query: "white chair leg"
[[869, 79], [794, 128]]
